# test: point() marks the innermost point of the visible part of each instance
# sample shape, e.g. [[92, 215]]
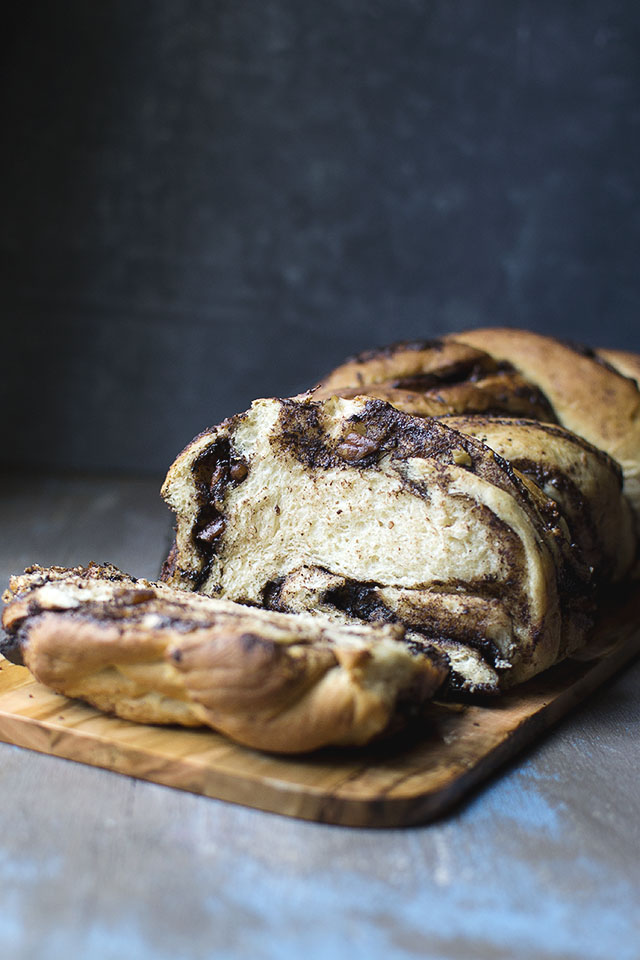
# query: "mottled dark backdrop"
[[203, 202]]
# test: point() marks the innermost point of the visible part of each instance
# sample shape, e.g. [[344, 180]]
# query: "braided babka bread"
[[458, 502], [268, 680], [354, 509]]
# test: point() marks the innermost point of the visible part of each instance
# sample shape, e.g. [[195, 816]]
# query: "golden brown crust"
[[504, 392], [624, 361], [594, 393], [438, 359], [433, 378], [589, 397], [268, 680]]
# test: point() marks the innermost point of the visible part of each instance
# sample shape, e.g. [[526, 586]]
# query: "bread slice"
[[269, 680], [356, 510]]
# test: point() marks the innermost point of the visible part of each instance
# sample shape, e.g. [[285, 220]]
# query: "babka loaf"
[[268, 680], [354, 509], [434, 516]]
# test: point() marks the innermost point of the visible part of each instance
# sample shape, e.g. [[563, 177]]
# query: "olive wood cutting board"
[[406, 780]]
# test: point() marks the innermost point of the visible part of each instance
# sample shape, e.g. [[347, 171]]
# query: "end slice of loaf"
[[273, 681]]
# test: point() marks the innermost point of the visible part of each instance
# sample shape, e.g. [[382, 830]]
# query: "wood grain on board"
[[408, 780]]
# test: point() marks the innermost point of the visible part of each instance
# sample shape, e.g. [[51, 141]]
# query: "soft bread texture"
[[268, 680], [588, 395], [584, 481], [358, 511]]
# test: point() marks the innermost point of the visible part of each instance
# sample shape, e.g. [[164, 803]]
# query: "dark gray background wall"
[[203, 202]]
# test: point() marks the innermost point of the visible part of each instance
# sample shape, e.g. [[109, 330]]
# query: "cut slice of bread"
[[356, 510], [268, 680]]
